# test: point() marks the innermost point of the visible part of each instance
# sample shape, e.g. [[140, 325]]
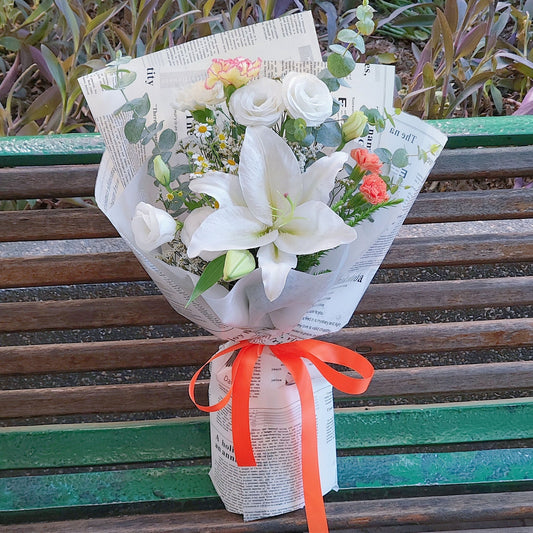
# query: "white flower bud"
[[238, 263], [152, 227]]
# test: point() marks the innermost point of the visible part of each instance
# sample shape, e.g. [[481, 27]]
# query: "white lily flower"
[[271, 206]]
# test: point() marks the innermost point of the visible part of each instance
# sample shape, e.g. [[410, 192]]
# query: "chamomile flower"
[[203, 131], [200, 162], [230, 165]]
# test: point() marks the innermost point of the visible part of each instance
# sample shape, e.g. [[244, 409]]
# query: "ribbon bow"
[[290, 354]]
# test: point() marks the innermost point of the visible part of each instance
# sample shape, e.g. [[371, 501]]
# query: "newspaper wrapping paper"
[[310, 305], [274, 486]]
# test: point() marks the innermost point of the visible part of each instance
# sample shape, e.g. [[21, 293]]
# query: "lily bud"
[[354, 126], [238, 263], [161, 171]]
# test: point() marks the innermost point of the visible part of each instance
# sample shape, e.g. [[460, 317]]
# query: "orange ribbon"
[[290, 354]]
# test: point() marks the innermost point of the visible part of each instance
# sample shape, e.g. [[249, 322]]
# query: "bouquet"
[[261, 192]]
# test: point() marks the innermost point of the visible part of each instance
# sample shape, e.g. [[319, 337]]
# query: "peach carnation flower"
[[374, 189], [367, 160]]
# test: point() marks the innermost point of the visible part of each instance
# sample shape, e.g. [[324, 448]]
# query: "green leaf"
[[125, 78], [347, 36], [340, 65], [211, 275], [10, 43], [71, 19], [329, 134], [203, 115], [400, 158], [140, 106], [107, 88], [133, 129], [332, 83], [384, 155], [56, 70], [337, 49], [167, 139]]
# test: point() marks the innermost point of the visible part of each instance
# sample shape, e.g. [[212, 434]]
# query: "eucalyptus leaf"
[[125, 78], [384, 155], [347, 36], [212, 273], [167, 139], [338, 49], [400, 158], [133, 129], [340, 65], [329, 134]]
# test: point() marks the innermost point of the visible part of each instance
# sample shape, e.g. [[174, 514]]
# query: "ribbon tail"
[[314, 502], [240, 404]]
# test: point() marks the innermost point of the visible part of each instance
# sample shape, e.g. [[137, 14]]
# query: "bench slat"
[[356, 474], [408, 512], [44, 224], [182, 351], [150, 310], [174, 395], [429, 208], [123, 266], [358, 428], [462, 164], [463, 206], [65, 181]]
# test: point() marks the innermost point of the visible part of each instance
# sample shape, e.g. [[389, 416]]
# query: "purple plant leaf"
[[37, 56], [281, 7], [526, 107], [10, 78]]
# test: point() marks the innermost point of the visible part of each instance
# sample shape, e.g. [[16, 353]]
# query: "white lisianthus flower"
[[257, 104], [306, 96], [271, 206], [152, 227], [196, 96]]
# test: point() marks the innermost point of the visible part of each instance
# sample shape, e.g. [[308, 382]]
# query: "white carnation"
[[259, 103], [152, 227], [196, 96], [306, 96]]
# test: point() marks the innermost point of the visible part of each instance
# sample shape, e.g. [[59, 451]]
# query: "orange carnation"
[[374, 189], [367, 160]]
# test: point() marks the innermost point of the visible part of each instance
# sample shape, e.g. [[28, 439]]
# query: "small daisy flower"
[[203, 131], [170, 196], [200, 162], [230, 165]]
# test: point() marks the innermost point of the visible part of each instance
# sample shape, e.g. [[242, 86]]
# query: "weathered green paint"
[[487, 467], [68, 149], [434, 424], [83, 148], [487, 131], [133, 442]]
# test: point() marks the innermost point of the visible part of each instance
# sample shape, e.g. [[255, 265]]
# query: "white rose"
[[196, 96], [191, 224], [259, 103], [305, 96], [152, 227]]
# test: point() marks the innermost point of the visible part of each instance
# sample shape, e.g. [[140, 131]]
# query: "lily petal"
[[233, 228], [319, 178], [313, 228], [191, 224], [275, 267], [224, 188], [268, 172]]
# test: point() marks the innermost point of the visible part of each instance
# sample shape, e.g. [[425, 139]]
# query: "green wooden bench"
[[97, 430]]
